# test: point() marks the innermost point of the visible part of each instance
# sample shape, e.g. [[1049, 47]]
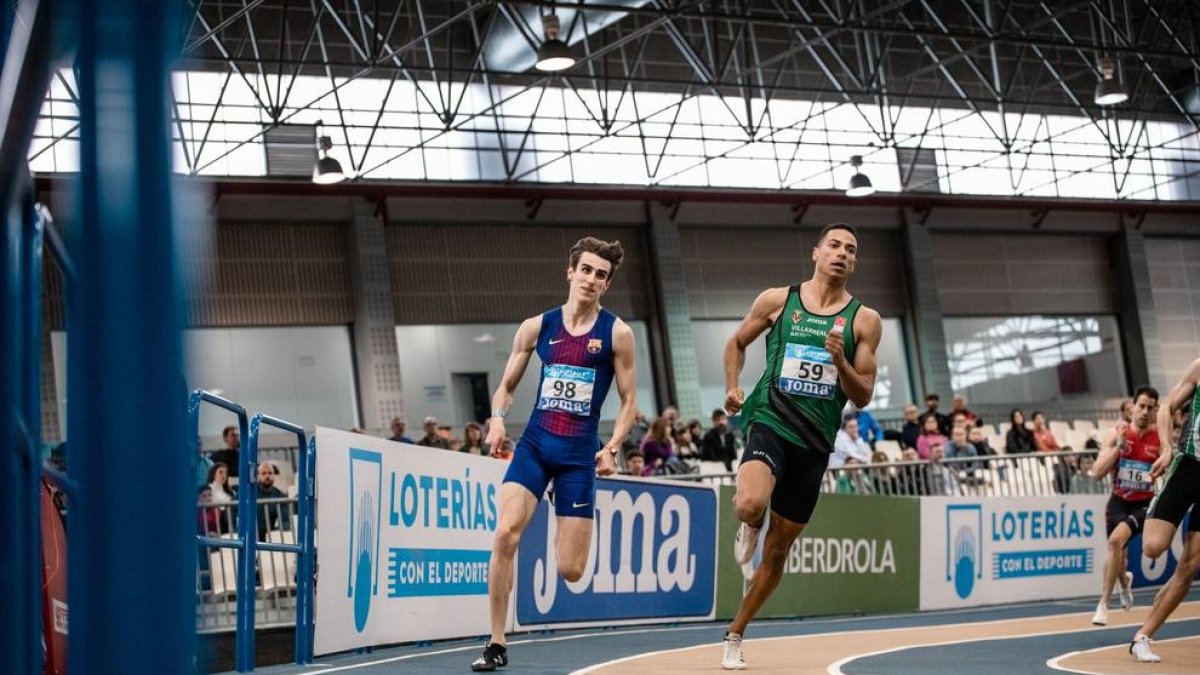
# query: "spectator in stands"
[[696, 430], [671, 413], [229, 454], [960, 446], [635, 463], [910, 478], [656, 446], [958, 420], [851, 480], [960, 406], [931, 406], [473, 440], [270, 516], [940, 478], [1064, 472], [1082, 482], [685, 446], [432, 438], [208, 521], [868, 428], [718, 444], [218, 482], [930, 434], [983, 448], [203, 463], [637, 432], [849, 444], [1181, 420], [506, 450], [1043, 438], [912, 427], [1127, 411], [398, 427], [1019, 440]]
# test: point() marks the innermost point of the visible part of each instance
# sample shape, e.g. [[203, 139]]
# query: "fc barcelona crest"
[[796, 316], [595, 345]]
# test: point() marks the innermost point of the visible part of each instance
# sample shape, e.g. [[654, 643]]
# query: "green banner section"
[[858, 554]]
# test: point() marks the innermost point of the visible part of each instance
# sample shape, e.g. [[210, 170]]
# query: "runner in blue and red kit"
[[583, 348]]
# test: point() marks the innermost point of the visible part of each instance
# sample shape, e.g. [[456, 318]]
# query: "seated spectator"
[[1064, 472], [851, 480], [979, 439], [719, 444], [941, 479], [635, 463], [960, 406], [958, 420], [208, 521], [685, 448], [656, 446], [637, 432], [1019, 439], [270, 516], [432, 438], [931, 433], [849, 444], [505, 450], [868, 427], [960, 447], [931, 410], [1082, 482], [204, 462], [1127, 410], [472, 443], [218, 483], [1043, 438], [696, 430], [229, 454], [912, 427], [910, 478], [398, 427]]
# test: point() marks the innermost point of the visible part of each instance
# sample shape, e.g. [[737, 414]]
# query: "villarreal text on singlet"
[[799, 396], [1131, 477], [577, 371]]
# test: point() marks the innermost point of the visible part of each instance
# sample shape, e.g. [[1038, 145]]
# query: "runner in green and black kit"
[[1181, 493], [821, 344]]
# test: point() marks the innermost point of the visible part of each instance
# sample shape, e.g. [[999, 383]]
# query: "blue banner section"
[[1015, 564], [654, 557], [424, 572]]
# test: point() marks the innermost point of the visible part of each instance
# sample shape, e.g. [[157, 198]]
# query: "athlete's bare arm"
[[523, 345], [625, 373], [1179, 396], [857, 379], [1106, 461], [762, 314]]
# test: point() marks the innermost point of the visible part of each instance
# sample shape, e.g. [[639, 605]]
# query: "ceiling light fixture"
[[554, 54], [327, 170], [860, 184], [1109, 90]]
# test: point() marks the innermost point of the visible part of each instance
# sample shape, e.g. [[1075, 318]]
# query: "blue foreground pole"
[[132, 586]]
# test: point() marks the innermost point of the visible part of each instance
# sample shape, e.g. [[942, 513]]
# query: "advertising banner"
[[992, 550], [405, 535], [858, 553], [652, 559]]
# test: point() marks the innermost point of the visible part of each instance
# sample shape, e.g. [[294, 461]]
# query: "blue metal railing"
[[247, 523], [303, 548], [246, 542]]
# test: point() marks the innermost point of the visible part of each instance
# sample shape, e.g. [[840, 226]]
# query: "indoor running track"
[[1045, 637]]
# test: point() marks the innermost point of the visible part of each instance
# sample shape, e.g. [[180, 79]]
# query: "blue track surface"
[[558, 652]]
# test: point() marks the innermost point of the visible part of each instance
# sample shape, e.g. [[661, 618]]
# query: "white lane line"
[[1056, 662]]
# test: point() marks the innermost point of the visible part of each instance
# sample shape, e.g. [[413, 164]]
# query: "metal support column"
[[132, 557]]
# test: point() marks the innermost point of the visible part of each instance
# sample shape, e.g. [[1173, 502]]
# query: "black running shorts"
[[1120, 511], [798, 471], [1181, 492]]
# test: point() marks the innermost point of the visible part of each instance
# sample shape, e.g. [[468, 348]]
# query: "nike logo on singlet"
[[554, 342]]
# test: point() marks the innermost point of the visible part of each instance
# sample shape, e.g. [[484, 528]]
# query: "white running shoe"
[[1127, 591], [1140, 648], [1100, 618], [732, 658], [744, 543]]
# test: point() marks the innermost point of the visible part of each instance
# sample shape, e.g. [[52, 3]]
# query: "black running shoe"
[[494, 656]]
